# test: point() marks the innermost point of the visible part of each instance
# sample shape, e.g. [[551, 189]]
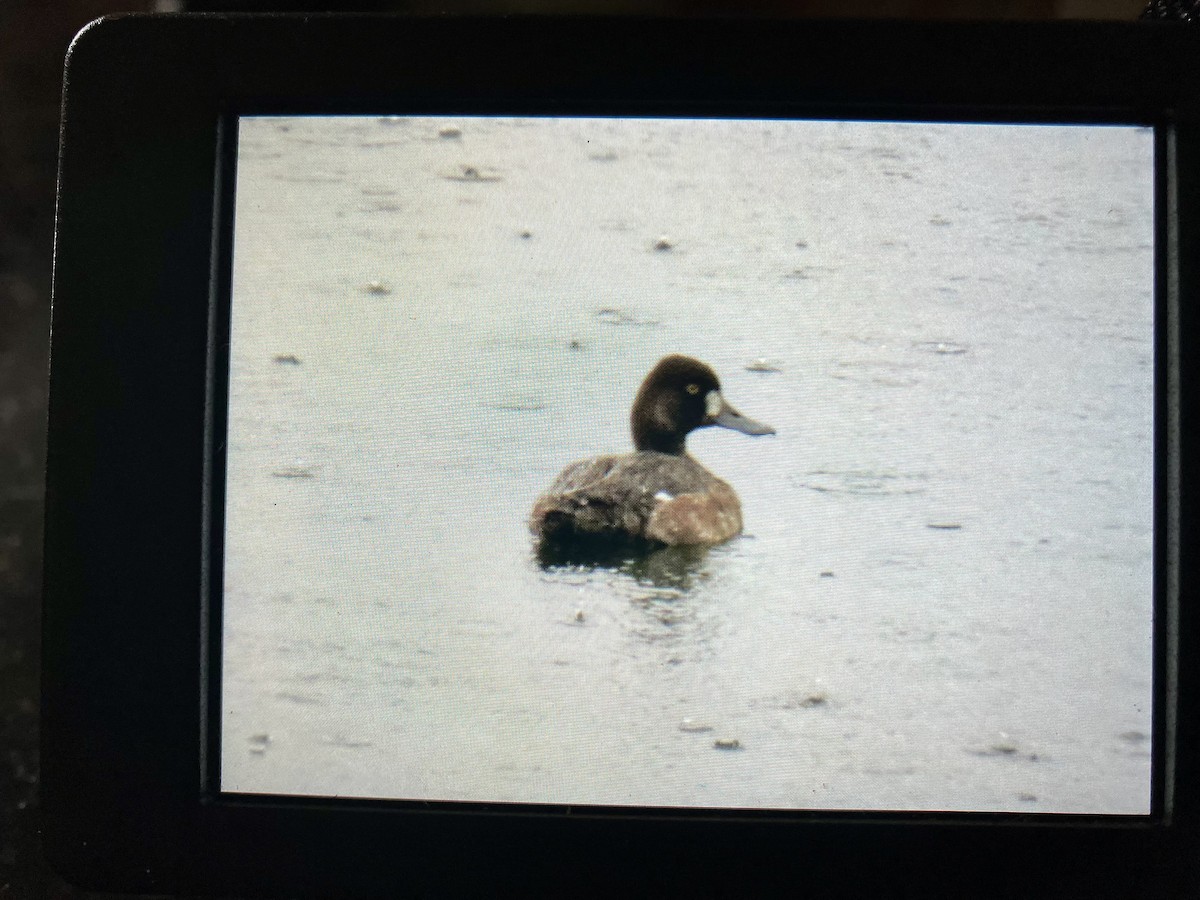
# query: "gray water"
[[942, 598]]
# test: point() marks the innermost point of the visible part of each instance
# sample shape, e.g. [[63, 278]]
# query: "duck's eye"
[[693, 389]]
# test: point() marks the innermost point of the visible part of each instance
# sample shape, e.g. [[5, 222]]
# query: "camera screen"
[[691, 463]]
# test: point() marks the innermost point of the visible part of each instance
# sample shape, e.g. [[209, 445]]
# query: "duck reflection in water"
[[674, 568], [618, 510]]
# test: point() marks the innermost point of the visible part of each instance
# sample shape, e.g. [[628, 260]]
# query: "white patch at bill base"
[[712, 403]]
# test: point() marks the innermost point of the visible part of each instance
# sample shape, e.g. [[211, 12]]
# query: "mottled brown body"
[[659, 497]]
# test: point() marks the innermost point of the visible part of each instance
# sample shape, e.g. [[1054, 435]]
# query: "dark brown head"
[[680, 395]]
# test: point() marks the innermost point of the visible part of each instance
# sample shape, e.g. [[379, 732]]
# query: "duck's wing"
[[618, 495], [585, 475], [593, 497]]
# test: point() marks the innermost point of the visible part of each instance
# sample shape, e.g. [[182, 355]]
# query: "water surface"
[[942, 599]]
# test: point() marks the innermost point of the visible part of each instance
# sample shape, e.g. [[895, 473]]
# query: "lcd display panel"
[[942, 594]]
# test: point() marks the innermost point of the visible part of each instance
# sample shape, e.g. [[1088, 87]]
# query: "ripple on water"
[[610, 315], [863, 482], [941, 348], [516, 404], [657, 593], [345, 743], [670, 571], [889, 373]]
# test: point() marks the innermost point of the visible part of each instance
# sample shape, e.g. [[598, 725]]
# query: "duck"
[[658, 495]]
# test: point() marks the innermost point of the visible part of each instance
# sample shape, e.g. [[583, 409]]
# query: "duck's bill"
[[728, 417]]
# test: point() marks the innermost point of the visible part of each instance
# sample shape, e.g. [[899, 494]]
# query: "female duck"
[[658, 494]]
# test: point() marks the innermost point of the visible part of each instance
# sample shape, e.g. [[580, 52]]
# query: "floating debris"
[[727, 744], [259, 743], [827, 574], [943, 526], [798, 700], [942, 348], [605, 156], [526, 235], [378, 288], [295, 472], [664, 244], [575, 345], [691, 726], [580, 616], [804, 273], [287, 359], [450, 133], [470, 173], [939, 220], [1005, 749], [762, 365], [1027, 798], [802, 244], [391, 120], [1134, 737]]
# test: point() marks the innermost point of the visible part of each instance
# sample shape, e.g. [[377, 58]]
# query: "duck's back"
[[658, 497]]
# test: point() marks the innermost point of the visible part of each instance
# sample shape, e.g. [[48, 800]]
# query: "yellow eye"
[[693, 388]]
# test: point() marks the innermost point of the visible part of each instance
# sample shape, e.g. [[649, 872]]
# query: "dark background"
[[33, 41]]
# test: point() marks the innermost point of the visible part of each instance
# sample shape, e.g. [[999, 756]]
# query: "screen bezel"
[[132, 624]]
